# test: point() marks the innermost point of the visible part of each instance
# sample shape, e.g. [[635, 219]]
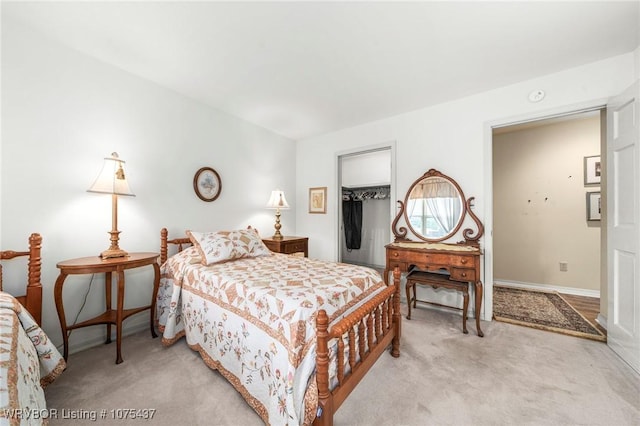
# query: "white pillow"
[[222, 246]]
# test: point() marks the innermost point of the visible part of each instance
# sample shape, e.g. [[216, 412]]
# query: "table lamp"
[[112, 180], [277, 202]]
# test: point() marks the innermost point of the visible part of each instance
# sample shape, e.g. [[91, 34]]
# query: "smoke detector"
[[536, 96]]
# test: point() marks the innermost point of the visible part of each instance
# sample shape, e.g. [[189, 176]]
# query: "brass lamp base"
[[109, 253], [277, 235], [114, 250]]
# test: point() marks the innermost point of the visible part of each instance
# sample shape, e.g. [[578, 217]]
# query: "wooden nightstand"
[[95, 265], [288, 245]]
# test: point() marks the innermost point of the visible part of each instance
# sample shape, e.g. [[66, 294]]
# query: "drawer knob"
[[395, 254], [463, 261], [464, 274]]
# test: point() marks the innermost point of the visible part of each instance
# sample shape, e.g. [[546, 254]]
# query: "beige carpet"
[[545, 310], [512, 376]]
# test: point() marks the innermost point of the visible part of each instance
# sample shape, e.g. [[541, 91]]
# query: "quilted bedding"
[[28, 362], [253, 319]]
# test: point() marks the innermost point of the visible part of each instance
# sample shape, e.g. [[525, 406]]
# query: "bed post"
[[397, 318], [34, 286], [325, 399], [163, 245]]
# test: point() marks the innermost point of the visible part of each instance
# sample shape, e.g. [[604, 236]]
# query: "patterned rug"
[[542, 310]]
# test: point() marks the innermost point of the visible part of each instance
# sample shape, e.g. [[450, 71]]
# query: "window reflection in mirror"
[[434, 207]]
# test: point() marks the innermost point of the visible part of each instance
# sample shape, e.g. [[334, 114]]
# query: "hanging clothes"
[[352, 218]]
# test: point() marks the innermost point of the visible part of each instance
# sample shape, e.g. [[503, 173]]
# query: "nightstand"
[[288, 245], [95, 265]]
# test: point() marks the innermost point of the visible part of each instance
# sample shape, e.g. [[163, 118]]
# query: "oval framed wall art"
[[207, 184]]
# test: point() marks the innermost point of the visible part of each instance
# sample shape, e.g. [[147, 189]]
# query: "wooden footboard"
[[32, 300], [374, 326]]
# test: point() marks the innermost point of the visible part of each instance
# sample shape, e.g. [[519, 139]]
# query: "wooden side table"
[[95, 265], [288, 245]]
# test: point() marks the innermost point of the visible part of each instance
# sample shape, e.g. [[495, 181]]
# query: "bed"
[[294, 336], [29, 361]]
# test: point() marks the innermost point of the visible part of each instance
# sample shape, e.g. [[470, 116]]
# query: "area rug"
[[542, 310]]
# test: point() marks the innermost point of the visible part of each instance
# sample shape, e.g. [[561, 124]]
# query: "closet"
[[365, 183]]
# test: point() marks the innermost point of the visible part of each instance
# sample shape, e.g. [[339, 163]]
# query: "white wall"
[[451, 137], [62, 112], [539, 205]]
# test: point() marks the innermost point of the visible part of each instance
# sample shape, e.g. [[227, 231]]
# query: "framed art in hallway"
[[592, 170], [318, 200], [594, 206]]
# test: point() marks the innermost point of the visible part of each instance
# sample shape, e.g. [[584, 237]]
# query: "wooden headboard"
[[32, 300], [164, 243]]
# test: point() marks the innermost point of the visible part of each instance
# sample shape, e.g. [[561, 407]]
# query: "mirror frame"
[[470, 235]]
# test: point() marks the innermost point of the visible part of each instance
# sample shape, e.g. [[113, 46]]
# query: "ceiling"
[[302, 69]]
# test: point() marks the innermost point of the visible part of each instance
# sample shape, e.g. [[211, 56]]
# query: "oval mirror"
[[434, 207]]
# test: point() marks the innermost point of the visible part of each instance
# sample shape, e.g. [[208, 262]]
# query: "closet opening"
[[365, 212]]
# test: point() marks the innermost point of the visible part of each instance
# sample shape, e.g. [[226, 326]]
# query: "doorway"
[[544, 236], [366, 211]]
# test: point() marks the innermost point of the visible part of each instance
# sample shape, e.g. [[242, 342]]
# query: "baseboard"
[[602, 321], [559, 289]]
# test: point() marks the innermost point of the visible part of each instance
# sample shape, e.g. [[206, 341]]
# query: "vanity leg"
[[478, 296], [465, 309], [408, 289]]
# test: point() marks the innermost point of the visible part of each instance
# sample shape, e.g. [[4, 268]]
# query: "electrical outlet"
[[564, 266]]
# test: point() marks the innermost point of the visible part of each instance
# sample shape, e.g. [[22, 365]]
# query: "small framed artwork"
[[594, 206], [318, 200], [207, 184], [592, 170]]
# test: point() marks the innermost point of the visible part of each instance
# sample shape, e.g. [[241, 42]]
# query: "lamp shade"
[[112, 179], [277, 200]]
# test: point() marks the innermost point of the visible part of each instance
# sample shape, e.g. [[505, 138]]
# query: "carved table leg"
[[57, 295], [107, 294], [478, 295], [119, 315], [156, 284]]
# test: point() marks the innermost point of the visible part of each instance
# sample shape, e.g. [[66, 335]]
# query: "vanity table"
[[434, 210], [460, 262]]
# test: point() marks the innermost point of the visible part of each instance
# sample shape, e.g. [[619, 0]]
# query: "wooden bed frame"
[[376, 324], [32, 300]]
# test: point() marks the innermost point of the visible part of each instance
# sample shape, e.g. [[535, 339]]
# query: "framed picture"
[[594, 206], [592, 170], [207, 184], [318, 200]]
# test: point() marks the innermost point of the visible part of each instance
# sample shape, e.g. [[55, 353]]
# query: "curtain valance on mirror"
[[434, 187]]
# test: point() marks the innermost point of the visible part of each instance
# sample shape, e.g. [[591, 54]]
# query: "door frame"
[[391, 145], [596, 104]]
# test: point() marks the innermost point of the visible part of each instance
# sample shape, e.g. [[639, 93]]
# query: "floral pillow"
[[217, 247]]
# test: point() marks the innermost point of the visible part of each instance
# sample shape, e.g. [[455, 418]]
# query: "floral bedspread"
[[254, 320], [28, 362]]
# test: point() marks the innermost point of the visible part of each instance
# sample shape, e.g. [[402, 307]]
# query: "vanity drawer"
[[450, 259], [401, 265], [466, 261], [463, 274]]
